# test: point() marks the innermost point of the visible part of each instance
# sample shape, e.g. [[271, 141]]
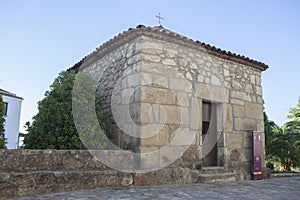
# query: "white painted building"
[[12, 118]]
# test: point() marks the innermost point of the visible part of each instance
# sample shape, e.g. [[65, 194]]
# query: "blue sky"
[[38, 39]]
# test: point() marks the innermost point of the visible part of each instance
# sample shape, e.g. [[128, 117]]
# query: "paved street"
[[276, 188]]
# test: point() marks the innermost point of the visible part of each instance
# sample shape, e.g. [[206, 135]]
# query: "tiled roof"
[[9, 94], [165, 34]]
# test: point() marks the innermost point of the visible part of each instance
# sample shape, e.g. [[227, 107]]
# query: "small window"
[[5, 108], [206, 117], [205, 127], [206, 111]]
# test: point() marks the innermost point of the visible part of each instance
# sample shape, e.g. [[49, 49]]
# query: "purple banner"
[[257, 162]]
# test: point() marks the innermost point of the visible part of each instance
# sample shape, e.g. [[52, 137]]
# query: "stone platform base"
[[17, 184], [25, 173]]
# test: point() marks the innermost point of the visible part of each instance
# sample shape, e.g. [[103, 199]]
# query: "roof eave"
[[160, 31]]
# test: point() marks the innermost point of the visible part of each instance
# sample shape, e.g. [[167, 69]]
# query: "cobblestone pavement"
[[276, 188]]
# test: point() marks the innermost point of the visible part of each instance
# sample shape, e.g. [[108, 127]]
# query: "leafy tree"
[[294, 115], [87, 100], [53, 127], [271, 129], [293, 128], [2, 124], [283, 143], [284, 149]]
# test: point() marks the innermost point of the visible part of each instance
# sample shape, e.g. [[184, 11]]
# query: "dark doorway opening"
[[209, 134]]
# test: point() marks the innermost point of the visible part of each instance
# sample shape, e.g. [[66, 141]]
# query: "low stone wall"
[[31, 172], [48, 160]]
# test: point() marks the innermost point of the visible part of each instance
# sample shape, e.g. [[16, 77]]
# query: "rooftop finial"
[[159, 18]]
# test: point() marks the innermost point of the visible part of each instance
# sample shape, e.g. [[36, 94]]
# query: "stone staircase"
[[216, 174]]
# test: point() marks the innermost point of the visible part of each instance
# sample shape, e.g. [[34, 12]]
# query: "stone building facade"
[[178, 102]]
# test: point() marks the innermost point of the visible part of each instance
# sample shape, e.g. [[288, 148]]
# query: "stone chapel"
[[180, 103]]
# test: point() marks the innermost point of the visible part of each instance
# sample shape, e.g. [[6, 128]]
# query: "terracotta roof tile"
[[161, 32]]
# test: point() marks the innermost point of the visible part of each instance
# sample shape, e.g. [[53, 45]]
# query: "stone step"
[[218, 177], [215, 170]]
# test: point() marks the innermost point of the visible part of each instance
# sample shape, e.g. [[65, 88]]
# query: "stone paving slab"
[[276, 188]]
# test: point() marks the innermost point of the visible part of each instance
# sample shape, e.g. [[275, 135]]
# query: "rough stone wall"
[[163, 82], [118, 73], [180, 79]]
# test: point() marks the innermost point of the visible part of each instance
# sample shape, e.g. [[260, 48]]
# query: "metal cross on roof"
[[159, 18]]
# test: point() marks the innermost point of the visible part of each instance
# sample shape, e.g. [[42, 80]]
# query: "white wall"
[[12, 121]]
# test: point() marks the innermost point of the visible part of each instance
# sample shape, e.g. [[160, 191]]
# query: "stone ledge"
[[215, 170], [281, 175]]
